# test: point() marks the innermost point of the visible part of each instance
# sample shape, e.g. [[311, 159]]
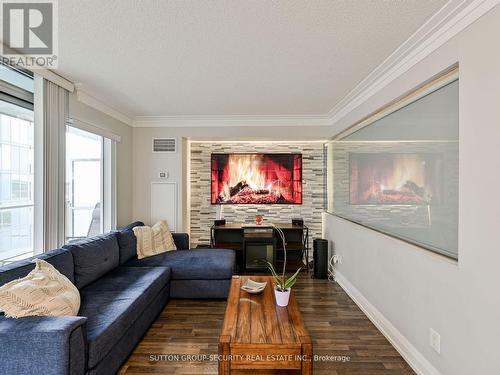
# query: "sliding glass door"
[[84, 184]]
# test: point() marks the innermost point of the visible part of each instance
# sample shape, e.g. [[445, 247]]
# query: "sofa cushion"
[[181, 240], [94, 257], [61, 259], [114, 302], [199, 264], [127, 241], [132, 225]]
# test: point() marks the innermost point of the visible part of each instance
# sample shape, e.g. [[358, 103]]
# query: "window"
[[87, 184], [16, 165], [89, 195]]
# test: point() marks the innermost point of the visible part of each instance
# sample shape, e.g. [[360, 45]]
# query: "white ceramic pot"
[[282, 297]]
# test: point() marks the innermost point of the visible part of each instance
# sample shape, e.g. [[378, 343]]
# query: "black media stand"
[[255, 242]]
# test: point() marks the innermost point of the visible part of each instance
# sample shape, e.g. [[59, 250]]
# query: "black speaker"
[[320, 255], [220, 222]]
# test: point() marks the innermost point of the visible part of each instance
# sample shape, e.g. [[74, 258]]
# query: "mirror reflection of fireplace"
[[395, 178]]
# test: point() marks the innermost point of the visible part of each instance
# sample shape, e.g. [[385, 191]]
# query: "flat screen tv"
[[256, 178]]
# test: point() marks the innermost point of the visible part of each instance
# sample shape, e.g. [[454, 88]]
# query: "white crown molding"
[[404, 347], [91, 101], [230, 121], [450, 20]]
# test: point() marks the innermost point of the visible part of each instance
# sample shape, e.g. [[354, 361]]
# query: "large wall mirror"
[[397, 172]]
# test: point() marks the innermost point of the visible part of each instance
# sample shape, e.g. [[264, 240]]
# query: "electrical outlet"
[[435, 340]]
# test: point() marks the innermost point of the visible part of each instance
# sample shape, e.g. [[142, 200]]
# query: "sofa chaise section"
[[197, 273]]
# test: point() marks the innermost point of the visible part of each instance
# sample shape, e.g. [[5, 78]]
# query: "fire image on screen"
[[398, 179], [256, 179]]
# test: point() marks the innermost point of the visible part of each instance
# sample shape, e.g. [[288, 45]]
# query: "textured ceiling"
[[229, 57]]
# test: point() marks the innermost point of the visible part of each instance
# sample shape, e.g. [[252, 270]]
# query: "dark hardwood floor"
[[338, 328]]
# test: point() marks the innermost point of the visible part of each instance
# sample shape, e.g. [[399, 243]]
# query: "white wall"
[[147, 165], [412, 288], [88, 114]]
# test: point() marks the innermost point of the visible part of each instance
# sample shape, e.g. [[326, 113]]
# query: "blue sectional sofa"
[[121, 296]]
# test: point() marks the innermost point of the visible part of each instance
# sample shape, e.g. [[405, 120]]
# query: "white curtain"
[[55, 117]]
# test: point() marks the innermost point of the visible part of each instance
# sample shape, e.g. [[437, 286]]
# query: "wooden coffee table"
[[257, 334]]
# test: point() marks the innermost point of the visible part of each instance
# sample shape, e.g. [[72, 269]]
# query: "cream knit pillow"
[[153, 240], [44, 291]]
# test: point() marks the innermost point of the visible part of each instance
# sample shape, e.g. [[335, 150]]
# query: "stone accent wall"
[[313, 189]]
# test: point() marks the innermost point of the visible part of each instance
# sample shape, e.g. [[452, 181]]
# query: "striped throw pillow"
[[153, 240]]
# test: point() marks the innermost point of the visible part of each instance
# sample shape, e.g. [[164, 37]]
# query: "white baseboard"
[[414, 358]]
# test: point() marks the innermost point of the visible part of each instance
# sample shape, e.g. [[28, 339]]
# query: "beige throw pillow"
[[153, 240], [44, 291]]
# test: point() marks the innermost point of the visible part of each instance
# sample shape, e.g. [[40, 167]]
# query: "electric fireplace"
[[397, 179], [256, 178]]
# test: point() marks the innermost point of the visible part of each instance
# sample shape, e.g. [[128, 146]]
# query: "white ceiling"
[[229, 57]]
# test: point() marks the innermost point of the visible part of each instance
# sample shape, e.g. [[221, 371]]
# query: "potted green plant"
[[283, 283]]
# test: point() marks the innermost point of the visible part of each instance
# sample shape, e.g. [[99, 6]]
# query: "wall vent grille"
[[168, 145]]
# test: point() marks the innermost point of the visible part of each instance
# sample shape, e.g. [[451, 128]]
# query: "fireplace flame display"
[[399, 179], [256, 179]]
